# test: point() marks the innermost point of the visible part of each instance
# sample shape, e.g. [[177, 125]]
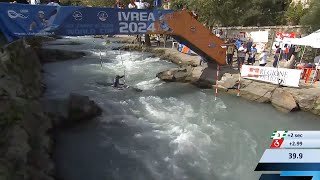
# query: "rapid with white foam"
[[169, 131]]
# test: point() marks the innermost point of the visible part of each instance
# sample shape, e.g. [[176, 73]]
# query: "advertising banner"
[[281, 76], [19, 20], [281, 35], [259, 36]]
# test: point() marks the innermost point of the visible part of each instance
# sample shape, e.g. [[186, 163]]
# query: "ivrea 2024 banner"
[[20, 20]]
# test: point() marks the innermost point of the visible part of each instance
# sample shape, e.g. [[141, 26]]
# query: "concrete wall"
[[231, 32]]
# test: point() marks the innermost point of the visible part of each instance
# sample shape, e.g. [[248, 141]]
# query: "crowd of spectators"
[[246, 52], [140, 4], [35, 2]]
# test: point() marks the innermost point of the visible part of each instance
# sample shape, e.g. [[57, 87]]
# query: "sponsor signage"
[[19, 20], [282, 76], [282, 35]]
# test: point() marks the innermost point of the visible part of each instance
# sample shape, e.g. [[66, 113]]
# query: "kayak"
[[120, 87]]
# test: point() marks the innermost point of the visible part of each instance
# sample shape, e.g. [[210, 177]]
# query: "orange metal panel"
[[197, 36]]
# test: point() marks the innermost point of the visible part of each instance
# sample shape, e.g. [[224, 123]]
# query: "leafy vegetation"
[[237, 13], [294, 13], [311, 18]]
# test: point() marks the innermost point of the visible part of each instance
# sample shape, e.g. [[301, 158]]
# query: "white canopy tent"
[[312, 40]]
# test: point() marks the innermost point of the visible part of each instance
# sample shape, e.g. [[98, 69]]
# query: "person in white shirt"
[[263, 57], [158, 40], [241, 55], [132, 5], [35, 2], [142, 5], [53, 3]]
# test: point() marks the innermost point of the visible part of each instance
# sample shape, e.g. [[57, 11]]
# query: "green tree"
[[294, 13], [311, 18], [237, 13]]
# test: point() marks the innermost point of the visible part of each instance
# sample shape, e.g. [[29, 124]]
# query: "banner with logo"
[[282, 76], [19, 20], [281, 35]]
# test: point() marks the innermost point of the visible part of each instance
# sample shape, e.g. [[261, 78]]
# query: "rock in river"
[[82, 108], [68, 112], [283, 101]]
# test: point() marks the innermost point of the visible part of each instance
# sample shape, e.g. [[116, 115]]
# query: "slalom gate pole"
[[278, 68], [304, 50], [217, 78], [124, 68], [239, 83], [100, 56]]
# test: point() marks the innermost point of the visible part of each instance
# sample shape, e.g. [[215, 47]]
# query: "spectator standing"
[[119, 4], [252, 54], [277, 56], [53, 3], [132, 5], [286, 52], [158, 40], [249, 44], [241, 55], [263, 57], [230, 53], [157, 3], [194, 14], [35, 2], [291, 51], [142, 5], [238, 43]]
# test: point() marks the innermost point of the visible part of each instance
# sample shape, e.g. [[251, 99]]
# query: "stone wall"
[[284, 99], [26, 144]]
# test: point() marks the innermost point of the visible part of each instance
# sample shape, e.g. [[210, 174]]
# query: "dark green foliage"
[[294, 13], [311, 18], [237, 13]]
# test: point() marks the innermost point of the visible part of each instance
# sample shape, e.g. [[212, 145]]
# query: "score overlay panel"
[[294, 154]]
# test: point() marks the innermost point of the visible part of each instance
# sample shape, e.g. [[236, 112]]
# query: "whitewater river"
[[169, 131]]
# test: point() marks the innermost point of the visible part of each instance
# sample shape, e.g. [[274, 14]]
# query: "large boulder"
[[196, 74], [18, 146], [70, 111], [82, 108], [228, 81], [20, 76], [53, 55], [316, 108], [167, 76], [306, 101], [176, 74], [256, 91], [283, 101]]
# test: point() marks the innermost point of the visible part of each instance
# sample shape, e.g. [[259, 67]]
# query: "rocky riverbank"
[[26, 122], [285, 99]]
